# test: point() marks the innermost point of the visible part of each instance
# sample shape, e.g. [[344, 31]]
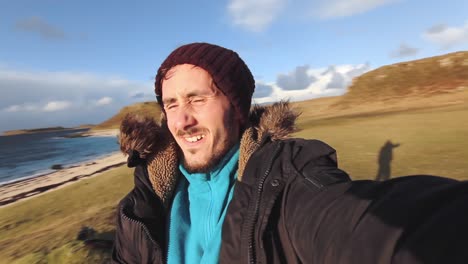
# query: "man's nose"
[[184, 119]]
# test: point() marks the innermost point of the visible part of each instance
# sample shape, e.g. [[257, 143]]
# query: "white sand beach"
[[12, 192]]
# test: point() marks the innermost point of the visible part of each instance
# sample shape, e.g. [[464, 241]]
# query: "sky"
[[67, 63]]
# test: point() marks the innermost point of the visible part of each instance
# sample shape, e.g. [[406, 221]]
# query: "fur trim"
[[142, 134], [276, 122], [163, 172], [249, 143], [155, 143]]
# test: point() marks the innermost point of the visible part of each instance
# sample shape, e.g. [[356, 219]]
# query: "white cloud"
[[337, 80], [358, 70], [104, 101], [13, 108], [257, 15], [40, 98], [51, 106], [27, 107], [447, 37], [39, 86], [343, 8], [404, 51], [330, 81], [254, 15], [56, 106]]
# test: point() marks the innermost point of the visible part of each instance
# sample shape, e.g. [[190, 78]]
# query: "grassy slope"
[[433, 141], [145, 109], [45, 227], [425, 77]]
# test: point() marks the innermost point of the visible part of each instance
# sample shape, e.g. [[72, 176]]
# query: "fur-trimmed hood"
[[154, 143]]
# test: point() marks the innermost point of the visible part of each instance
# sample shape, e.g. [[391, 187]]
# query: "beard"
[[211, 163], [217, 155]]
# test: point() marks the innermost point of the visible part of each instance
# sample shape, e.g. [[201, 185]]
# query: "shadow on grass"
[[93, 240], [385, 160]]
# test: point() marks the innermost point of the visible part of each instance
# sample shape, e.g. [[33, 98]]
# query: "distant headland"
[[44, 130]]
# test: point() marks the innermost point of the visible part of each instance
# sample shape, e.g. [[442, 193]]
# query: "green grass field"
[[43, 229], [433, 141]]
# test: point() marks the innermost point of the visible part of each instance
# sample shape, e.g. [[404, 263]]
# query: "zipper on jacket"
[[251, 252], [168, 232], [150, 237]]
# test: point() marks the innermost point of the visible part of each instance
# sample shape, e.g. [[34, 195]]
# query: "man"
[[217, 183]]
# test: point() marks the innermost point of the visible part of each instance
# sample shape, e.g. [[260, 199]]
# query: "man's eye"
[[198, 100], [170, 106]]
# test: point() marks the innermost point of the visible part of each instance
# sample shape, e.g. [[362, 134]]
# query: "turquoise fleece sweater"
[[198, 211]]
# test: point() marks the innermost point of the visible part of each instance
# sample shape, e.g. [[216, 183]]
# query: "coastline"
[[27, 187], [97, 133], [102, 133]]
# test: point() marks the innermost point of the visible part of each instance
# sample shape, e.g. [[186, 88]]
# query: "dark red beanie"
[[229, 72]]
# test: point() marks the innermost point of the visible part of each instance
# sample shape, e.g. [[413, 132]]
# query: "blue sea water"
[[30, 155]]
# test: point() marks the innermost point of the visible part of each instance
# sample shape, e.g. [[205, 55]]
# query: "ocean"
[[30, 155]]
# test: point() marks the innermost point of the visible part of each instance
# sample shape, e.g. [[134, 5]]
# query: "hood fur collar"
[[155, 144]]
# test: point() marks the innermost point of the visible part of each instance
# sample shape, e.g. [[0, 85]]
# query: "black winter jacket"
[[292, 204]]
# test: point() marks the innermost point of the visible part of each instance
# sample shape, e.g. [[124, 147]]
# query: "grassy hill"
[[419, 78], [44, 229], [427, 83], [145, 109]]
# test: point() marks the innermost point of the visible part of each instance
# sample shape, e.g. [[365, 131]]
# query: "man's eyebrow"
[[191, 94], [168, 101], [196, 93]]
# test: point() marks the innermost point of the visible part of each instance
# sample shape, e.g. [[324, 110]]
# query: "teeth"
[[194, 138]]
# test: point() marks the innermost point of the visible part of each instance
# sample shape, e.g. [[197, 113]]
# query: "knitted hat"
[[229, 72]]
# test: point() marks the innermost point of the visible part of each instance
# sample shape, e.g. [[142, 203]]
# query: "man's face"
[[199, 116]]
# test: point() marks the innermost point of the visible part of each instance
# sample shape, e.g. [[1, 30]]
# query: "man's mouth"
[[193, 139]]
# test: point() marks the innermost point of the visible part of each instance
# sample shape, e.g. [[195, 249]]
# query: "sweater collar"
[[228, 164]]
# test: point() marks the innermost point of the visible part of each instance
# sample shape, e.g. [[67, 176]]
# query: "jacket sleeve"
[[413, 219], [312, 224]]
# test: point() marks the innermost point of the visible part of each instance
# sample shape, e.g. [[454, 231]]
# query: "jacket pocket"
[[320, 177]]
